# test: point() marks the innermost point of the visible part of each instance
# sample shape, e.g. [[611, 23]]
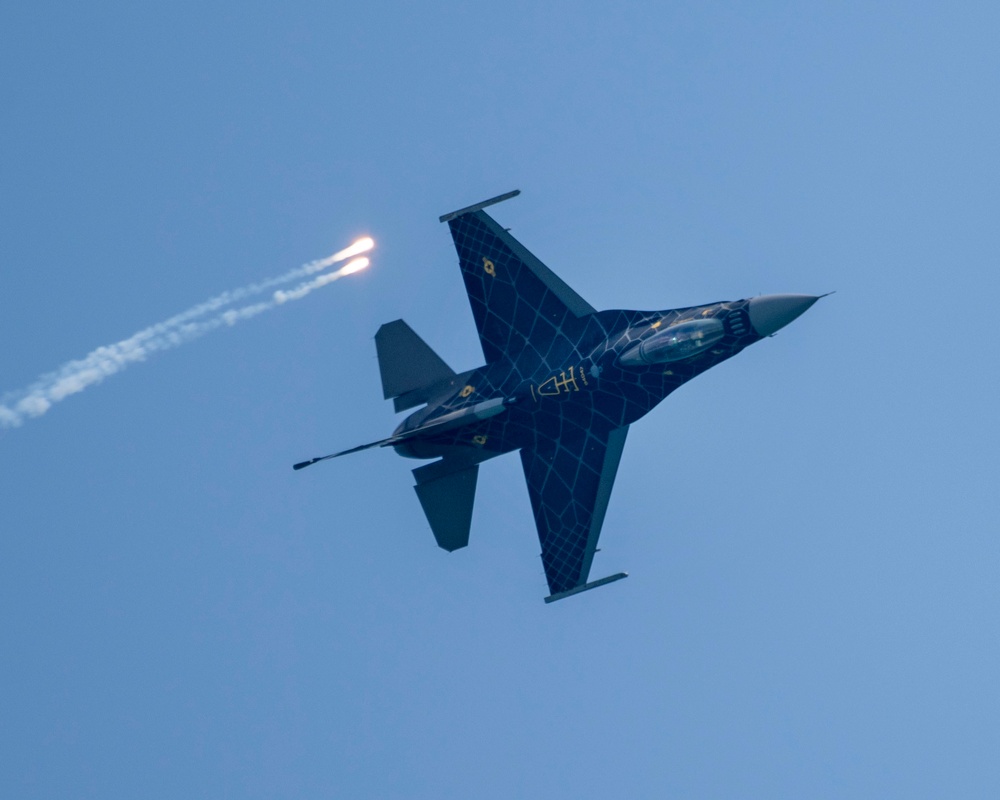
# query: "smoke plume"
[[75, 376]]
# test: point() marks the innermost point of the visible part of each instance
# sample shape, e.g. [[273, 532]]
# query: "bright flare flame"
[[362, 245], [356, 265]]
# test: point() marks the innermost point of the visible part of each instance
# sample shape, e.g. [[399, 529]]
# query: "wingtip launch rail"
[[479, 206], [586, 587]]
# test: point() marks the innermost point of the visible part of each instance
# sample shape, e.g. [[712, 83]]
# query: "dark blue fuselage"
[[579, 385]]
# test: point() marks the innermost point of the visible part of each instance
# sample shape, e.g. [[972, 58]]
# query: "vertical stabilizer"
[[408, 366]]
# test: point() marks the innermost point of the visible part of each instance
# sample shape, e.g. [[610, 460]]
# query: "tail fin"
[[409, 368]]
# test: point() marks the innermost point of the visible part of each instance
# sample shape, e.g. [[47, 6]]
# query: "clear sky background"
[[811, 528]]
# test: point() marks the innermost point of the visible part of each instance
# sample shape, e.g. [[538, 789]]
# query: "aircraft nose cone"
[[771, 312]]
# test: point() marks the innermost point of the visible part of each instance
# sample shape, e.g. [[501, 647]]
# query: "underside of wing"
[[570, 483], [509, 289]]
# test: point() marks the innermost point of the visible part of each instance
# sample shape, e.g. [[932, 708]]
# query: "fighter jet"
[[561, 384]]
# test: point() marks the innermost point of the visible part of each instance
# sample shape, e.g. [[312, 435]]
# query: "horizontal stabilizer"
[[407, 364], [592, 585], [447, 500]]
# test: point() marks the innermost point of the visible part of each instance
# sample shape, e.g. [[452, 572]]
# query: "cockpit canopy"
[[684, 340]]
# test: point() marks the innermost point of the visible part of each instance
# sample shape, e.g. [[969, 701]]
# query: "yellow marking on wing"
[[467, 391], [489, 267], [479, 440]]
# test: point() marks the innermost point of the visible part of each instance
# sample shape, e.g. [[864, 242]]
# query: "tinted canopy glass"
[[675, 343]]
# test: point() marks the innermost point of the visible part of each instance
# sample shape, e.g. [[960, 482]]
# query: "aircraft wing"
[[508, 287], [569, 482]]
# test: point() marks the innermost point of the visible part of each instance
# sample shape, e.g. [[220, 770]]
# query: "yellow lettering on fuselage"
[[559, 384]]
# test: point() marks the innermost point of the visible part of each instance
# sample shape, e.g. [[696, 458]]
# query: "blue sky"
[[811, 528]]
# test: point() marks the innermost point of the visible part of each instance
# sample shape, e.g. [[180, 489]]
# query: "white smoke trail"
[[75, 376], [234, 295]]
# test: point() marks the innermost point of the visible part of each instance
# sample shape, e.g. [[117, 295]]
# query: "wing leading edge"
[[570, 482]]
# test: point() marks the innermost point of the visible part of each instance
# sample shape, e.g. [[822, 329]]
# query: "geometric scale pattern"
[[555, 359]]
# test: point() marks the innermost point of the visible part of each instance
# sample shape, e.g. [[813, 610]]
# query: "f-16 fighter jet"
[[562, 384]]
